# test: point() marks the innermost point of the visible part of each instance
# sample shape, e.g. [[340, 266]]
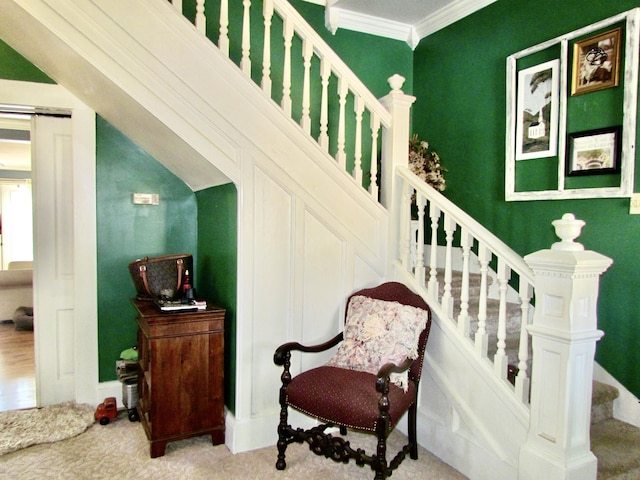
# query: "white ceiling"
[[407, 20]]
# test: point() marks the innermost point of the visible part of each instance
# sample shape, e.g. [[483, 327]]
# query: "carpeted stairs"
[[615, 444]]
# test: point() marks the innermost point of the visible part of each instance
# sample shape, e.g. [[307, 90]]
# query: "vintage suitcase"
[[153, 276]]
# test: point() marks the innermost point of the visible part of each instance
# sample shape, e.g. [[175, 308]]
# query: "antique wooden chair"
[[382, 325]]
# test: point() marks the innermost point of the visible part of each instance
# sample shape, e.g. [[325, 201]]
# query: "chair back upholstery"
[[398, 292]]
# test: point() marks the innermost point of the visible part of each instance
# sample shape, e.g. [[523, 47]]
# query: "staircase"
[[616, 444], [291, 191]]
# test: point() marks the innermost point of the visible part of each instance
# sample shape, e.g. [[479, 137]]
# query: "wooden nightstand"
[[181, 374]]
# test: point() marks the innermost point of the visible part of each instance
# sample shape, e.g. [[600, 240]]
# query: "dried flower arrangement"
[[425, 163]]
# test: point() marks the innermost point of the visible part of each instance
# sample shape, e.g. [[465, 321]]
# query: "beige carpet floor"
[[120, 451]]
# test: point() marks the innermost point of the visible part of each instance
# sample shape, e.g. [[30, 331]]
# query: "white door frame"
[[83, 185]]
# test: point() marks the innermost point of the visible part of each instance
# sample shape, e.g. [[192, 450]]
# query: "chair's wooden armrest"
[[283, 350], [382, 383]]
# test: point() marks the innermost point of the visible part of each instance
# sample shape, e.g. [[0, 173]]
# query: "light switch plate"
[[634, 207], [146, 199]]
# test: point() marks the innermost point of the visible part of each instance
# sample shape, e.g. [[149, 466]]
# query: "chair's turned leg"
[[413, 437], [381, 450], [281, 464]]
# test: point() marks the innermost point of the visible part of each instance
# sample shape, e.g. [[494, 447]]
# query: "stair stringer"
[[301, 251], [465, 415]]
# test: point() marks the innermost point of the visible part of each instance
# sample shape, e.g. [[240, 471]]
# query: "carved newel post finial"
[[567, 230], [395, 82]]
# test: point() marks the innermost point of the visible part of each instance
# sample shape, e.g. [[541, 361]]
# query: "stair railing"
[[346, 120], [441, 248]]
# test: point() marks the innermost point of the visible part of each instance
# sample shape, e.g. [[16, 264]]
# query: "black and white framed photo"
[[594, 152], [537, 111]]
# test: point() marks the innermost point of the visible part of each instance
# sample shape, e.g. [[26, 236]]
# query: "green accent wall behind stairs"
[[460, 85]]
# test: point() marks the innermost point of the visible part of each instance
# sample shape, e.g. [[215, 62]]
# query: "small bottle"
[[186, 283]]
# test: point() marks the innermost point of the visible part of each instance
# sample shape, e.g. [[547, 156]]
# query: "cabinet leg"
[[217, 437], [157, 449]]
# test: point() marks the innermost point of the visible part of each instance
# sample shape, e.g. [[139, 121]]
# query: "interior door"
[[53, 253]]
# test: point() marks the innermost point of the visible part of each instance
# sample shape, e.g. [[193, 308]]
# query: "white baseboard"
[[110, 389], [259, 432]]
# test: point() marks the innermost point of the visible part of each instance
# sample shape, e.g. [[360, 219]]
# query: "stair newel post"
[[394, 152], [564, 334], [395, 139]]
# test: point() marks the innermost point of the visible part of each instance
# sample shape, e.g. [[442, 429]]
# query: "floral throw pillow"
[[377, 332]]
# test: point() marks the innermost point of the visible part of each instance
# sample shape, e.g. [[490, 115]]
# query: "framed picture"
[[596, 63], [537, 111], [594, 152]]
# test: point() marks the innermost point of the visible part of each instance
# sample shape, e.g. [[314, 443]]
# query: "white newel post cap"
[[567, 230], [395, 82], [567, 278]]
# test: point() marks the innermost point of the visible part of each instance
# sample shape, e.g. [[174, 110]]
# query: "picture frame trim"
[[612, 144], [552, 127], [577, 64]]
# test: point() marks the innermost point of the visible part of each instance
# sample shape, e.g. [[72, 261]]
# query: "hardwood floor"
[[17, 369]]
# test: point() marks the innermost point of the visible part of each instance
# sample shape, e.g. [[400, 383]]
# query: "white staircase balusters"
[[307, 53], [373, 169], [245, 62], [201, 19], [223, 38], [419, 263], [267, 14], [482, 338], [406, 232], [447, 299], [432, 286], [522, 385], [500, 360], [466, 242], [325, 73], [343, 90], [287, 34], [357, 156]]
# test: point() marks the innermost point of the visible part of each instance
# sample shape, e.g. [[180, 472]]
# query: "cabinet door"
[[182, 387]]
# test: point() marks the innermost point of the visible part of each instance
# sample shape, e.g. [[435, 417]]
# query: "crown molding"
[[456, 10], [337, 17], [360, 22]]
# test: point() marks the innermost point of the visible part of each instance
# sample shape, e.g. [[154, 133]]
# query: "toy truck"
[[106, 411]]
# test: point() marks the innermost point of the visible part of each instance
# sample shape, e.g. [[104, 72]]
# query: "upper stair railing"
[[346, 120]]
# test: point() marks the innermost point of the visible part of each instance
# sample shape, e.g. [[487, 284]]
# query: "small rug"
[[22, 428]]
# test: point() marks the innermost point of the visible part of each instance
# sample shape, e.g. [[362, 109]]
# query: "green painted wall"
[[460, 83], [127, 232], [14, 66], [216, 277]]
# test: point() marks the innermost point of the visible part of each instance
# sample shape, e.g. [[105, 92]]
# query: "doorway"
[[17, 355], [76, 376]]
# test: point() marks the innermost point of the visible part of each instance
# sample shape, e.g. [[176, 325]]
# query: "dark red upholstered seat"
[[320, 393]]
